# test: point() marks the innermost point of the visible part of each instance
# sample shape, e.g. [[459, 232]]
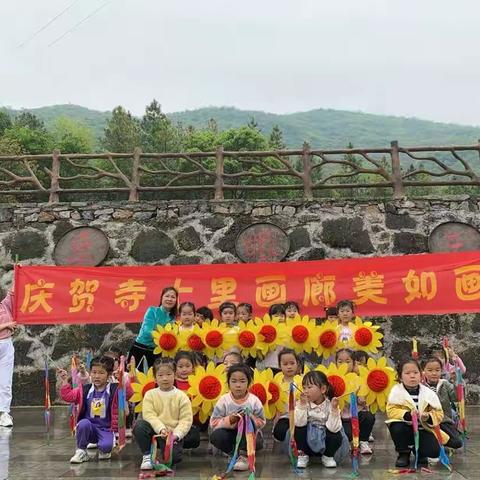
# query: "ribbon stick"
[[73, 407], [355, 432], [88, 360], [163, 467], [251, 438], [414, 348], [48, 403], [445, 349], [132, 371], [416, 435], [292, 446], [445, 461], [122, 404], [460, 388]]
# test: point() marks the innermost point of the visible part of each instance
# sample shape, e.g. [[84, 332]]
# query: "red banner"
[[412, 284]]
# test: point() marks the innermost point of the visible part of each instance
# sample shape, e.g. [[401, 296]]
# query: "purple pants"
[[88, 432]]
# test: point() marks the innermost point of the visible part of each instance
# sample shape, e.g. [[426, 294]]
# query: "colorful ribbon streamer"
[[48, 403], [166, 464], [122, 404], [415, 348], [292, 446], [445, 461], [416, 435], [88, 360], [355, 432], [73, 407], [460, 389]]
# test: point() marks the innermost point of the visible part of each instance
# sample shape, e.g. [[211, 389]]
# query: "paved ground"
[[25, 454]]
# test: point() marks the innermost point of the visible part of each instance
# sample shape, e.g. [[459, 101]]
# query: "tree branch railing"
[[222, 172]]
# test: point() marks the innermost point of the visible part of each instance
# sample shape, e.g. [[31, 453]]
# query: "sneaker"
[[104, 455], [371, 438], [241, 465], [433, 461], [6, 420], [146, 463], [92, 446], [302, 461], [128, 433], [328, 462], [365, 448], [80, 456], [403, 460]]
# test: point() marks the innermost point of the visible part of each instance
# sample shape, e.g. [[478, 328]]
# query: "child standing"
[[7, 352], [165, 410], [411, 396], [244, 312], [345, 312], [318, 423], [98, 409], [366, 419], [228, 313], [289, 363], [230, 359], [186, 312], [291, 309], [228, 411], [432, 373], [203, 314]]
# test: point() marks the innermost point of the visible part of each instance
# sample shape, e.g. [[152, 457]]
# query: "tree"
[[276, 139], [9, 146], [5, 122], [243, 138], [32, 141], [253, 124], [72, 136], [158, 132], [122, 132], [29, 120]]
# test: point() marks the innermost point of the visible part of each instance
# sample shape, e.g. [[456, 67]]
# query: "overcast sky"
[[400, 57]]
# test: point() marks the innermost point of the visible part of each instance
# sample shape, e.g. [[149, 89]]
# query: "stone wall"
[[191, 232]]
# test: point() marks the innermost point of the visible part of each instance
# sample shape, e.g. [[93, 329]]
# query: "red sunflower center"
[[167, 341], [269, 333], [328, 339], [300, 334], [377, 380], [246, 339], [363, 336], [214, 338], [259, 390], [274, 391], [210, 387], [195, 343], [338, 385], [148, 386]]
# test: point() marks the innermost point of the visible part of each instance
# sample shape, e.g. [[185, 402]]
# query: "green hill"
[[323, 128]]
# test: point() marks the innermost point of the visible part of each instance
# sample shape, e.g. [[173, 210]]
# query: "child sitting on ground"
[[97, 419], [166, 410]]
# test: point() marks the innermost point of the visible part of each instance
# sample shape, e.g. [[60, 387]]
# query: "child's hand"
[[62, 375], [9, 326], [234, 419], [334, 404], [424, 417], [163, 432], [81, 369], [303, 399], [451, 353]]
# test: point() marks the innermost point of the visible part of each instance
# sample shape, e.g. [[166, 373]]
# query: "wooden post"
[[398, 189], [307, 172], [54, 180], [135, 180], [219, 163]]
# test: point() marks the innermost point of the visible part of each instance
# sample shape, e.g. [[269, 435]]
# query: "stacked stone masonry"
[[193, 232]]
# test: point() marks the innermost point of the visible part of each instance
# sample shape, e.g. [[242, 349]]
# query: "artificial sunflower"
[[141, 387], [341, 380], [269, 333], [365, 336], [206, 387], [376, 381], [244, 337], [328, 338], [259, 387], [214, 337], [166, 340], [192, 339], [300, 334], [279, 397]]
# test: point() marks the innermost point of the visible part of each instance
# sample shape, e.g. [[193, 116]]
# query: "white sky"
[[400, 57]]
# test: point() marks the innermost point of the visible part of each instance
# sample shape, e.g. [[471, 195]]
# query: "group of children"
[[320, 425]]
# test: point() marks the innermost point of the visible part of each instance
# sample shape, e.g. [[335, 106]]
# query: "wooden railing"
[[222, 172]]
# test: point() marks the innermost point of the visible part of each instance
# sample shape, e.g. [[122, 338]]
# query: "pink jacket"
[[6, 314], [77, 395]]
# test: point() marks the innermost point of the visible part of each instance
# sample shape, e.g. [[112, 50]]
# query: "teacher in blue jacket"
[[154, 316]]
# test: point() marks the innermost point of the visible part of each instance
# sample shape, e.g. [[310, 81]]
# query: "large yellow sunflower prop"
[[269, 333], [245, 337], [206, 387], [300, 334], [328, 338], [192, 339], [279, 397], [166, 340], [141, 387], [341, 380], [214, 337], [259, 387], [365, 336], [376, 381]]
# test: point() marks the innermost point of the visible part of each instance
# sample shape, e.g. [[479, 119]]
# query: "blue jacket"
[[154, 316]]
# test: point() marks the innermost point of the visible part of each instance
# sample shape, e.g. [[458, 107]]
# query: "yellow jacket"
[[400, 402], [170, 410]]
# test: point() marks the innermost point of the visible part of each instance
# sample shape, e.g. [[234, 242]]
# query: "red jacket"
[[77, 395]]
